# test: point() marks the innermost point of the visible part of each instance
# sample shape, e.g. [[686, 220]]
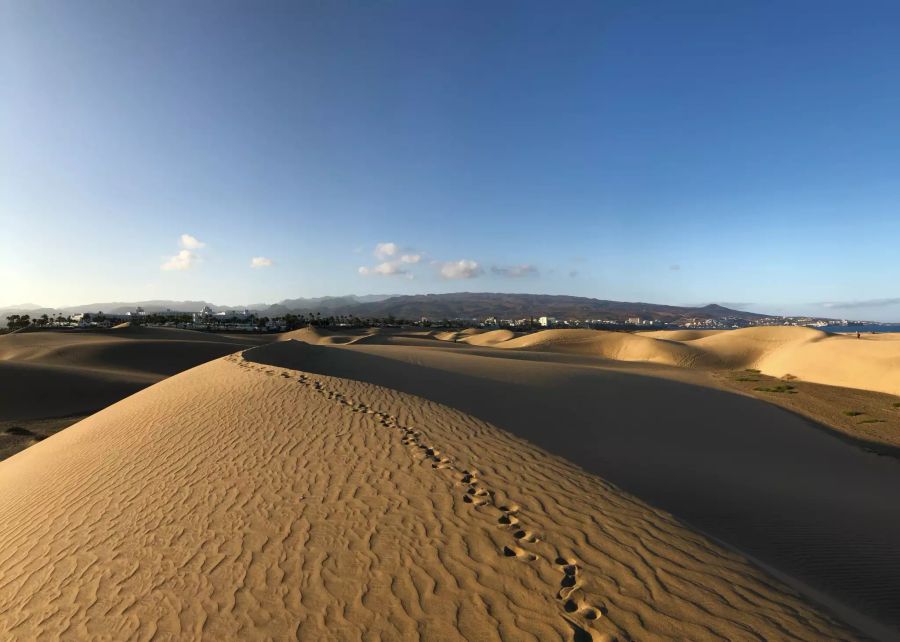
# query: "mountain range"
[[458, 305]]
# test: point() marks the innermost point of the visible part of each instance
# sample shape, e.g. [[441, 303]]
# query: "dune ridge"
[[244, 500], [492, 337], [53, 378], [58, 373], [868, 363]]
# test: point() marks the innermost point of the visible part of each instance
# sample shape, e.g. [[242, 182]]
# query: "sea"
[[865, 328]]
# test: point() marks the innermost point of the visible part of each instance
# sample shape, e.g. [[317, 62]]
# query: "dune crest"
[[49, 373], [244, 500], [492, 337], [621, 346], [869, 363]]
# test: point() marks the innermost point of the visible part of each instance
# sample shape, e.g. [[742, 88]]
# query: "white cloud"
[[388, 268], [462, 269], [392, 263], [189, 242], [384, 251], [515, 271], [260, 262], [184, 260]]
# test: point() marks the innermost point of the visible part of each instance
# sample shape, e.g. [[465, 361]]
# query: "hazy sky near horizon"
[[742, 152]]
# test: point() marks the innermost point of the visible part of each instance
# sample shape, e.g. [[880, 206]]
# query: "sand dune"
[[680, 335], [489, 338], [811, 355], [609, 345], [384, 336], [60, 374], [239, 500], [869, 363], [745, 471], [243, 499], [320, 336], [32, 391]]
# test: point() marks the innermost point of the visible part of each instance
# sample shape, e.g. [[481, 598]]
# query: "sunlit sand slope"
[[680, 335], [869, 363], [243, 501], [610, 345], [57, 373], [489, 338]]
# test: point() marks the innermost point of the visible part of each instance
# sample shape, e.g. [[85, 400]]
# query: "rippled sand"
[[242, 500]]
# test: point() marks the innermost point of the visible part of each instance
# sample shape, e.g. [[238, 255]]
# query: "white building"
[[204, 316], [546, 322]]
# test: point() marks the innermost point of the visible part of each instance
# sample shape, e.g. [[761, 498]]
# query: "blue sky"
[[676, 152]]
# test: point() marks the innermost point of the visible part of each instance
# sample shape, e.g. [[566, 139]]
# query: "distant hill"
[[466, 305], [457, 305], [326, 305], [149, 306]]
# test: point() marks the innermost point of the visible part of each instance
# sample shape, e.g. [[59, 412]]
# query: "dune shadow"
[[747, 472]]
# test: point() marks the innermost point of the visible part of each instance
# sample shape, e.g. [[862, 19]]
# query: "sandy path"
[[745, 471], [245, 501]]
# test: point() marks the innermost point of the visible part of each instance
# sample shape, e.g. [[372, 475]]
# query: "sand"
[[51, 379], [475, 485], [871, 362], [492, 337], [241, 500], [868, 419], [769, 482], [868, 363], [845, 384]]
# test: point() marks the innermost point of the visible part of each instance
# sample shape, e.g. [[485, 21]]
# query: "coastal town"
[[247, 320]]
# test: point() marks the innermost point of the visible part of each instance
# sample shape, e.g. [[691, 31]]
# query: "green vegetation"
[[754, 370], [784, 388], [896, 404], [746, 379], [16, 321], [853, 413]]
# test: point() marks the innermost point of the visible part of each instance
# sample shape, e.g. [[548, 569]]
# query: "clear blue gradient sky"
[[741, 152]]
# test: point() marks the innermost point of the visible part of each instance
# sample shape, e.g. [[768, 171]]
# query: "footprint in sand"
[[475, 501], [576, 610], [519, 553], [582, 609], [477, 491], [442, 463], [525, 536], [577, 607], [569, 582]]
